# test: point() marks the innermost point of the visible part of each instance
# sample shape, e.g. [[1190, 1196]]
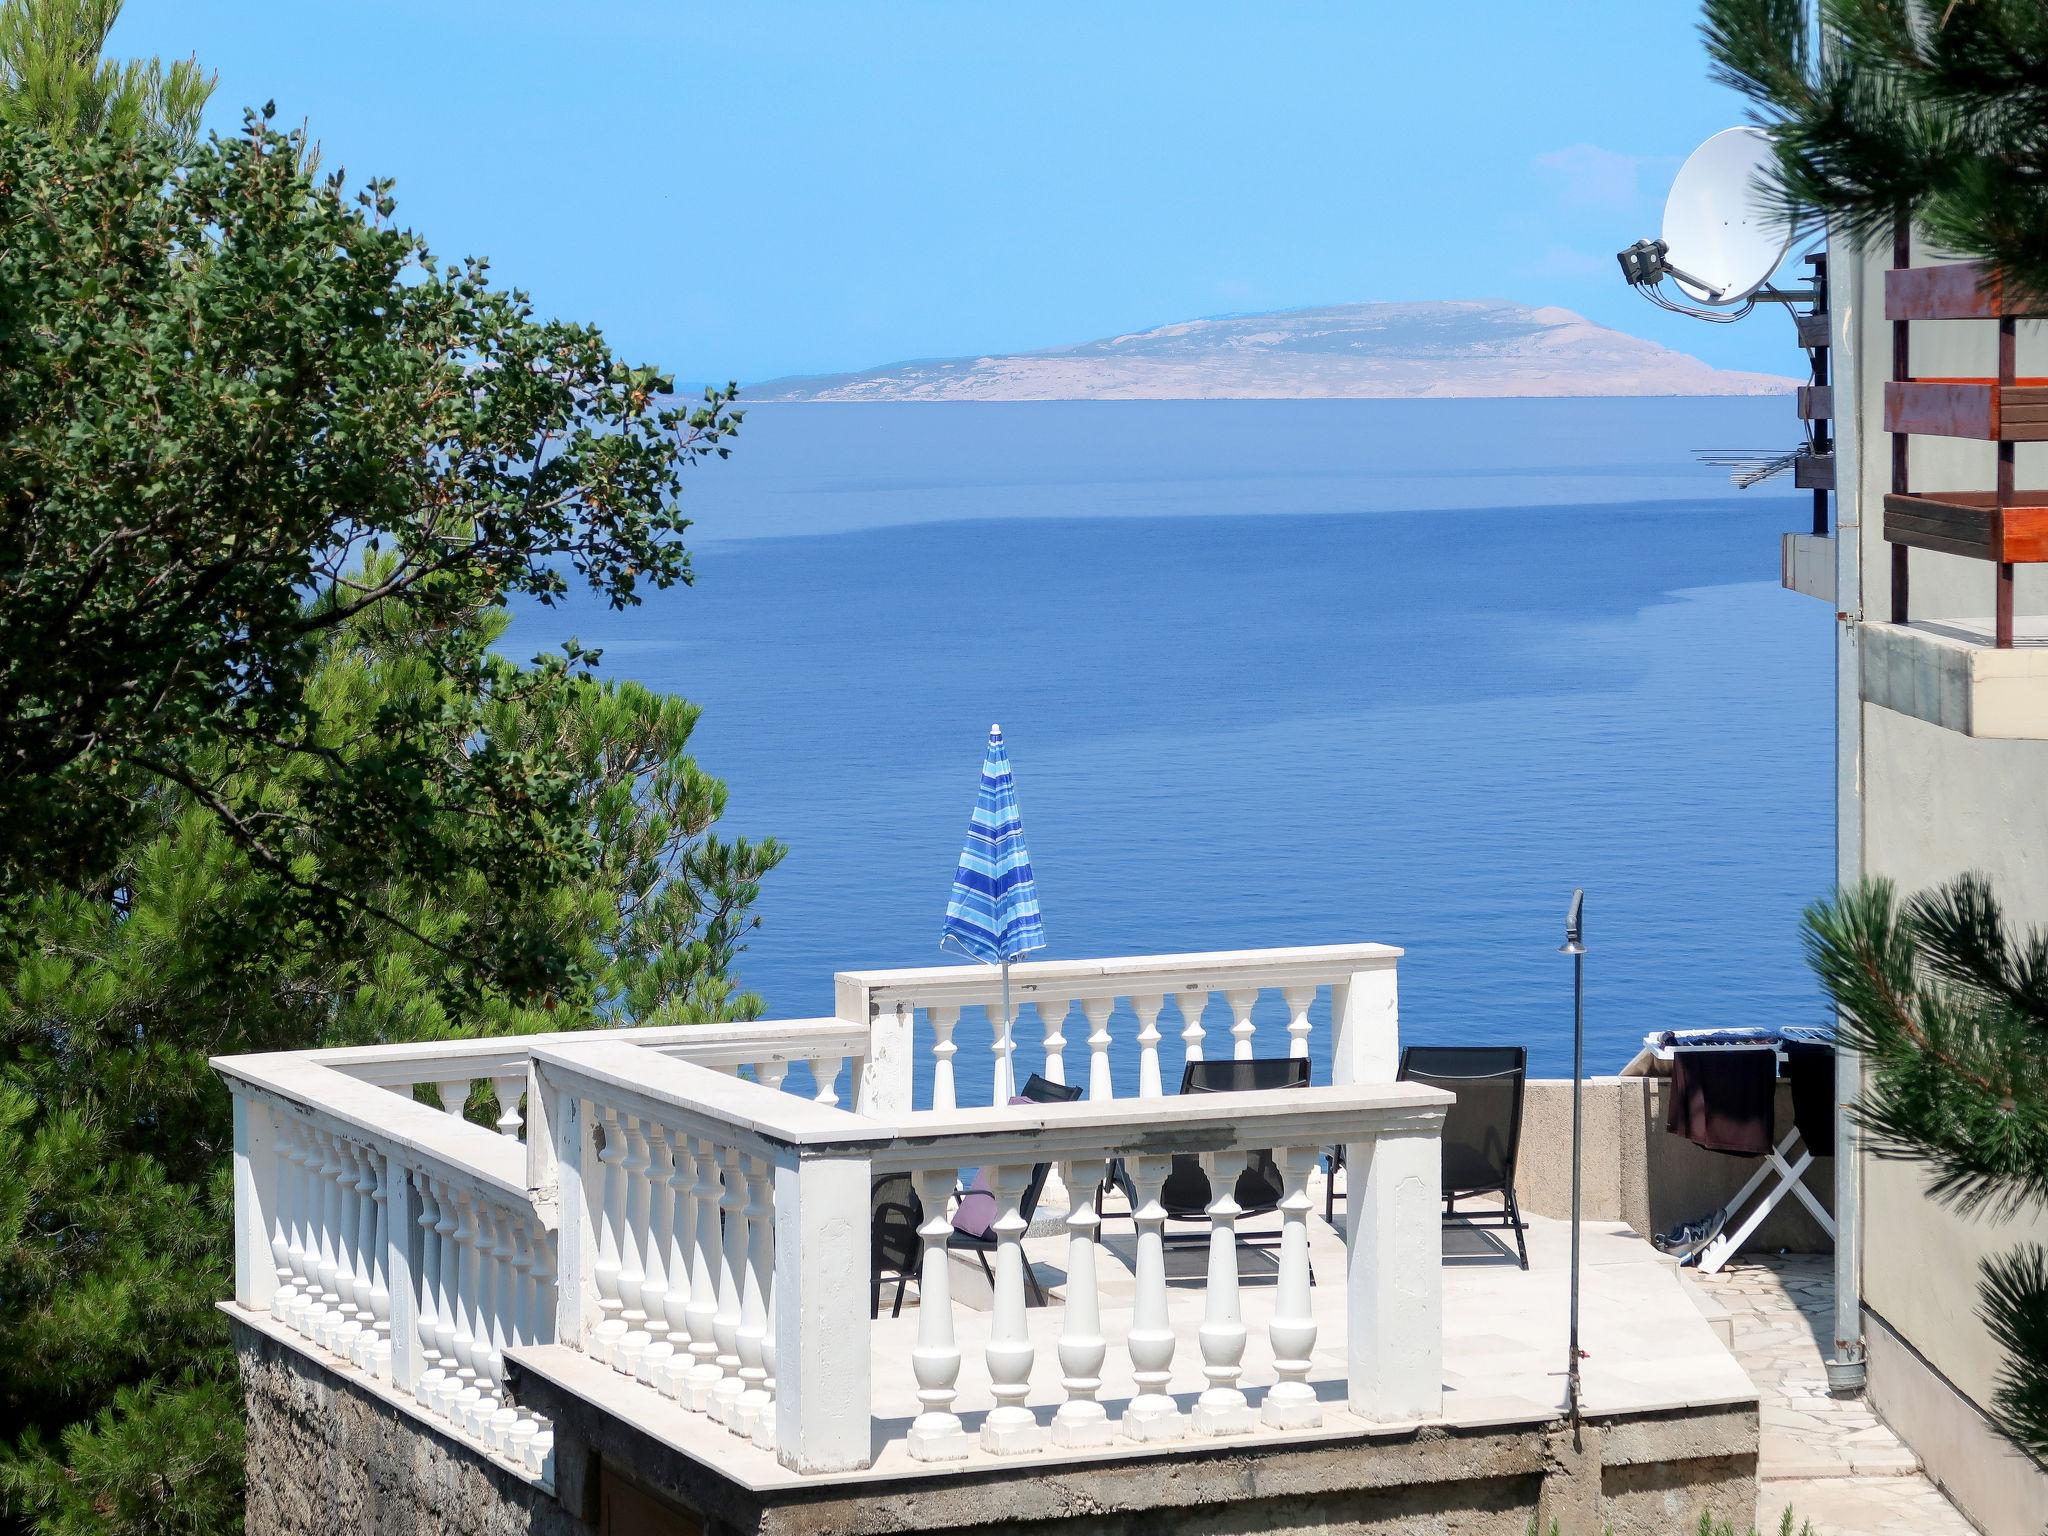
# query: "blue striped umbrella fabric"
[[993, 913]]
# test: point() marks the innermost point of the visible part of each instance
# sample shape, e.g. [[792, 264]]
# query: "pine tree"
[[53, 78], [1898, 109], [1950, 1011]]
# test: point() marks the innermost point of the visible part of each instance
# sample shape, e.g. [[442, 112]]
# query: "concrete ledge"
[[1806, 563], [1997, 1486], [1948, 673]]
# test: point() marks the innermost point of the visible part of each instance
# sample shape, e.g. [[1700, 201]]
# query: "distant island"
[[1472, 348]]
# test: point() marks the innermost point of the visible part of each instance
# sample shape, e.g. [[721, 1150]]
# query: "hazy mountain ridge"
[[1473, 348]]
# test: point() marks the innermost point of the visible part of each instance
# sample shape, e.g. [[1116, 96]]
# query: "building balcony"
[[646, 1298], [1952, 673]]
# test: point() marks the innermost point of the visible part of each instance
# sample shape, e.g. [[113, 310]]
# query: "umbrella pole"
[[1005, 1058], [1577, 950]]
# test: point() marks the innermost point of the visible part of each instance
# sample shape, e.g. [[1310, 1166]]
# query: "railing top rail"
[[502, 1055], [1120, 975], [1179, 1123], [685, 1096], [420, 1137], [697, 1101]]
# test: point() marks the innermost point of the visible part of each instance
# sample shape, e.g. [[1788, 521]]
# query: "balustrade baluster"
[[632, 1250], [285, 1292], [773, 1072], [363, 1181], [1221, 1409], [1101, 1085], [447, 1283], [1002, 1034], [1010, 1427], [1291, 1403], [468, 1355], [377, 1356], [289, 1303], [1299, 1001], [943, 1050], [732, 1270], [431, 1360], [682, 1174], [1152, 1414], [655, 1291], [508, 1091], [1192, 1002], [1242, 1002], [490, 1359], [329, 1316], [454, 1095], [828, 1082], [1147, 1006], [1052, 1012], [1081, 1421], [611, 1206], [753, 1329], [935, 1435], [702, 1310], [517, 1330], [764, 1419]]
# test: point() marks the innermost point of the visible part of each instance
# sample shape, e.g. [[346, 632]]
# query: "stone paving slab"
[[1830, 1459]]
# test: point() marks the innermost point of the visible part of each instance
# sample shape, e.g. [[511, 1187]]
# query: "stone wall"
[[327, 1456]]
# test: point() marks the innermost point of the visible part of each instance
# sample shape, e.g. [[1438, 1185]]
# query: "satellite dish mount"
[[1721, 242]]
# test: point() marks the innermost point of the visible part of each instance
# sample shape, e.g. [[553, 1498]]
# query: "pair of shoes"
[[1689, 1238]]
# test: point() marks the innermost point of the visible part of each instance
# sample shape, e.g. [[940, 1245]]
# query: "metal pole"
[[1007, 1058], [1573, 946]]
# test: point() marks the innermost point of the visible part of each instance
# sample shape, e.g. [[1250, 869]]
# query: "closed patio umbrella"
[[993, 913]]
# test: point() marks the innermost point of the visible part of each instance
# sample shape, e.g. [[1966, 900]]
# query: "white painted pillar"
[[1299, 1000], [655, 1291], [1010, 1428], [1052, 1012], [1152, 1414], [1191, 1005], [823, 1396], [1082, 1422], [702, 1311], [935, 1435], [1365, 1027], [1147, 1006], [1291, 1402], [732, 1271], [1242, 1002], [882, 1087], [1394, 1335], [1101, 1083], [259, 1241], [1222, 1409], [944, 1019], [566, 1118], [753, 1330]]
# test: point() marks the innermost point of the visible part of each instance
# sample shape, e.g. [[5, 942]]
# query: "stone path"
[[1828, 1458]]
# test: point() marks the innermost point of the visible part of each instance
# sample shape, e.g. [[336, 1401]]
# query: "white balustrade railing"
[[1360, 979], [394, 1238], [703, 1195], [758, 1212]]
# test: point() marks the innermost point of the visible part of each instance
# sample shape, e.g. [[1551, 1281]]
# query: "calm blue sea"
[[1271, 673]]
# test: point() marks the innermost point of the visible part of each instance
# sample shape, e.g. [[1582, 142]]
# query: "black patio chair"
[[1482, 1131], [1186, 1193], [896, 1249]]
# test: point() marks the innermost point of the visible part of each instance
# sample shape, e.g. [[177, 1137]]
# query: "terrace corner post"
[[1365, 1025], [823, 1371], [883, 1090], [255, 1201], [1394, 1273], [564, 1114]]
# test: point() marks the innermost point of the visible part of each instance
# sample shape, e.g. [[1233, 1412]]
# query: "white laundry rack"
[[1790, 1170]]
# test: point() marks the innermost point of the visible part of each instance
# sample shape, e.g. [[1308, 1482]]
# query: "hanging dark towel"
[[1812, 1070], [1722, 1099]]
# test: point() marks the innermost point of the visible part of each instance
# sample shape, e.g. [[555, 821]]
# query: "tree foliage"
[[1950, 1010], [226, 387], [54, 79], [1936, 112]]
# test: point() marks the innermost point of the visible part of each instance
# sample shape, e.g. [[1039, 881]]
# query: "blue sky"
[[760, 189]]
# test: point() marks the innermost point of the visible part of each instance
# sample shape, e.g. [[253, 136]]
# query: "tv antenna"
[[1721, 240]]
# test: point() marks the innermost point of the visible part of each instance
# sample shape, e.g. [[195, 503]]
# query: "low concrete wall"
[[1637, 1172], [329, 1455]]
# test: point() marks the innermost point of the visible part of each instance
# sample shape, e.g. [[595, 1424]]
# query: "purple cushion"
[[975, 1216]]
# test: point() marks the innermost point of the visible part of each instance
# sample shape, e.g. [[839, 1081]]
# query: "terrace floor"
[[1827, 1458], [1649, 1344]]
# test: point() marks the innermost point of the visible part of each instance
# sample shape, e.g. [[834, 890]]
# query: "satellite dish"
[[1723, 240]]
